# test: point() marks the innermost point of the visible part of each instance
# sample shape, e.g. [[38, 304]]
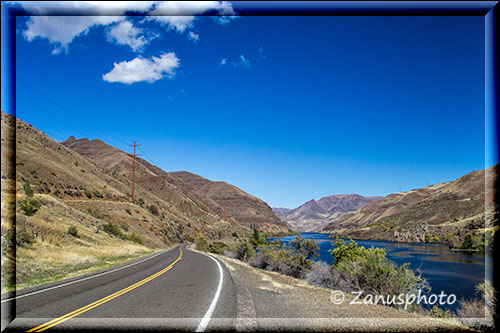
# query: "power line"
[[147, 155], [74, 115], [133, 169]]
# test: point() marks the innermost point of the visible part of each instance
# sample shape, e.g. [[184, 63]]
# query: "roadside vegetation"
[[355, 268], [115, 230], [45, 240]]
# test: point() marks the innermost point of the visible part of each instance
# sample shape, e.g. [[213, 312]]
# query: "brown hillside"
[[240, 206], [90, 187], [446, 212], [316, 214], [188, 197]]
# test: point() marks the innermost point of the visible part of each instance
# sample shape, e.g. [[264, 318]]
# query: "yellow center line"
[[86, 308]]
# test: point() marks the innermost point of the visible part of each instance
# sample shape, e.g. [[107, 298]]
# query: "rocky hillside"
[[80, 215], [445, 212], [315, 214], [187, 192], [239, 206]]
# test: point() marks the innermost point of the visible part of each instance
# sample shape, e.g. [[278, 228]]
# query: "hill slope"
[[188, 192], [447, 211], [240, 206], [85, 217], [315, 214]]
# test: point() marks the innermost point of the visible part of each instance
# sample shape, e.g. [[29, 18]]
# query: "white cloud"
[[107, 8], [125, 33], [141, 69], [242, 62], [61, 30], [194, 37], [179, 15]]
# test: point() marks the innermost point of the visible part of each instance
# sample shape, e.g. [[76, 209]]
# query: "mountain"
[[80, 214], [240, 206], [315, 214], [446, 212], [90, 181], [281, 212], [186, 191]]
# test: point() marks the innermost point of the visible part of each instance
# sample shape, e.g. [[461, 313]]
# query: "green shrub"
[[73, 231], [282, 260], [244, 251], [128, 211], [257, 238], [29, 206], [437, 312], [24, 238], [134, 238], [217, 247], [472, 242], [189, 238], [153, 210], [88, 194], [374, 272], [113, 230], [307, 247], [202, 244], [27, 189]]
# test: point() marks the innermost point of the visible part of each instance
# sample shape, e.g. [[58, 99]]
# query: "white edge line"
[[208, 315], [76, 281]]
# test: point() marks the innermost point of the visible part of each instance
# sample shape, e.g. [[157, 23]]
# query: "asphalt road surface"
[[175, 290]]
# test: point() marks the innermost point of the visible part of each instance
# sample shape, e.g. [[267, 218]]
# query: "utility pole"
[[133, 168]]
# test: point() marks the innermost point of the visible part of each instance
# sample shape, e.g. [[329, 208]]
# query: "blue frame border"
[[488, 9]]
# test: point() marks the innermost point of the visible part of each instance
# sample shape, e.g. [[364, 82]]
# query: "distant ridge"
[[441, 212], [315, 214]]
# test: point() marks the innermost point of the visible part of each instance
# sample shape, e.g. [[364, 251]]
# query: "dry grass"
[[54, 253]]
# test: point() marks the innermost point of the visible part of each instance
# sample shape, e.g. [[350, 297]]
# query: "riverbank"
[[455, 273], [478, 240]]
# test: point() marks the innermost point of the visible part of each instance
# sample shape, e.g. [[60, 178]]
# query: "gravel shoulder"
[[271, 301]]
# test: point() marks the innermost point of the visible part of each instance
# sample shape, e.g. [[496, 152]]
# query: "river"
[[451, 272]]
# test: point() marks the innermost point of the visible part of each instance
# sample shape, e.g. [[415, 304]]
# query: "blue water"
[[447, 271]]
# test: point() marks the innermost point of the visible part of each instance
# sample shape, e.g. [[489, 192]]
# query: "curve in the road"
[[208, 315], [80, 280], [86, 308]]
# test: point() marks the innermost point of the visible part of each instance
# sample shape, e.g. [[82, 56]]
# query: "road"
[[175, 290], [185, 290]]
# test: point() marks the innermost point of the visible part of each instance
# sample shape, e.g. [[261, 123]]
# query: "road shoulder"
[[271, 301]]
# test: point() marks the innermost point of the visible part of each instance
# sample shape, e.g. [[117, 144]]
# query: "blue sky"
[[287, 108]]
